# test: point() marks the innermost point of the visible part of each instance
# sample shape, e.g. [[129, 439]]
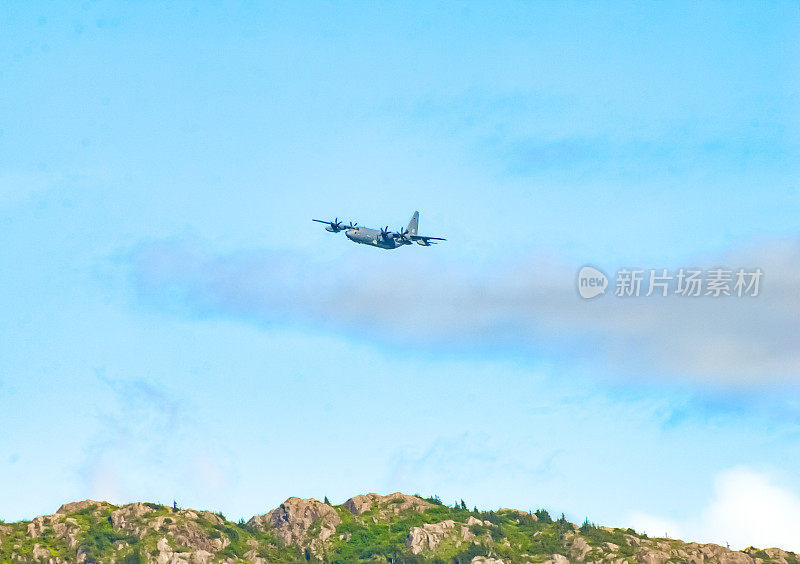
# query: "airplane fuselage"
[[373, 237], [382, 238]]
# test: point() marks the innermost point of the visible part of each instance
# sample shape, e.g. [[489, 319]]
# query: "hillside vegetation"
[[396, 528]]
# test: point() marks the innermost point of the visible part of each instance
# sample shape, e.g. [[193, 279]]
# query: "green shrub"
[[543, 516], [135, 557], [99, 541]]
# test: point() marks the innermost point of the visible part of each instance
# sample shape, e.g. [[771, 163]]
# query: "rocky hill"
[[366, 528]]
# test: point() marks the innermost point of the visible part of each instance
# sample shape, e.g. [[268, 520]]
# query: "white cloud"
[[747, 509], [531, 305]]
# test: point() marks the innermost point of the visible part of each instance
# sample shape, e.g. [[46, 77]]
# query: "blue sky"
[[174, 326]]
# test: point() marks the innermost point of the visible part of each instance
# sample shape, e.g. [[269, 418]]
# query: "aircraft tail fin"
[[412, 225]]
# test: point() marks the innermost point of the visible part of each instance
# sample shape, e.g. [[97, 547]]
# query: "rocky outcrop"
[[121, 518], [77, 506], [429, 536], [40, 553], [473, 521], [773, 554], [661, 551], [302, 529], [578, 549], [386, 504], [166, 555], [182, 526], [519, 512], [39, 524], [296, 519], [68, 530]]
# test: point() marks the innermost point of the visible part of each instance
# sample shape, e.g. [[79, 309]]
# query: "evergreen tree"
[[587, 527]]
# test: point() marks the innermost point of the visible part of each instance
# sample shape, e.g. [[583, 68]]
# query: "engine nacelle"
[[423, 243]]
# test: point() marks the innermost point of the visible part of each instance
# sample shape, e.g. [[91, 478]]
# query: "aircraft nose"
[[349, 233]]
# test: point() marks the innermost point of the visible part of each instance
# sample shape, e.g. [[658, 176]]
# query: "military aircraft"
[[382, 238]]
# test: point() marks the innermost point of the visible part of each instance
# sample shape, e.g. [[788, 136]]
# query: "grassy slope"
[[511, 536], [102, 543], [376, 535]]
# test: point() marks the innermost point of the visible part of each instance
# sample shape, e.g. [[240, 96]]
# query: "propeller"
[[353, 225], [385, 232], [401, 236], [333, 226]]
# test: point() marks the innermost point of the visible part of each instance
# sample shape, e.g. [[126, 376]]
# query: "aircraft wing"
[[335, 226], [427, 239], [335, 222]]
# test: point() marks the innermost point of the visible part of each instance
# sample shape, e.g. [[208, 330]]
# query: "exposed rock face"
[[392, 503], [168, 556], [252, 554], [38, 525], [121, 516], [660, 552], [579, 549], [302, 529], [127, 518], [68, 530], [76, 506], [429, 536], [40, 553], [775, 554], [134, 519], [195, 544], [294, 519], [652, 557], [473, 521], [518, 512]]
